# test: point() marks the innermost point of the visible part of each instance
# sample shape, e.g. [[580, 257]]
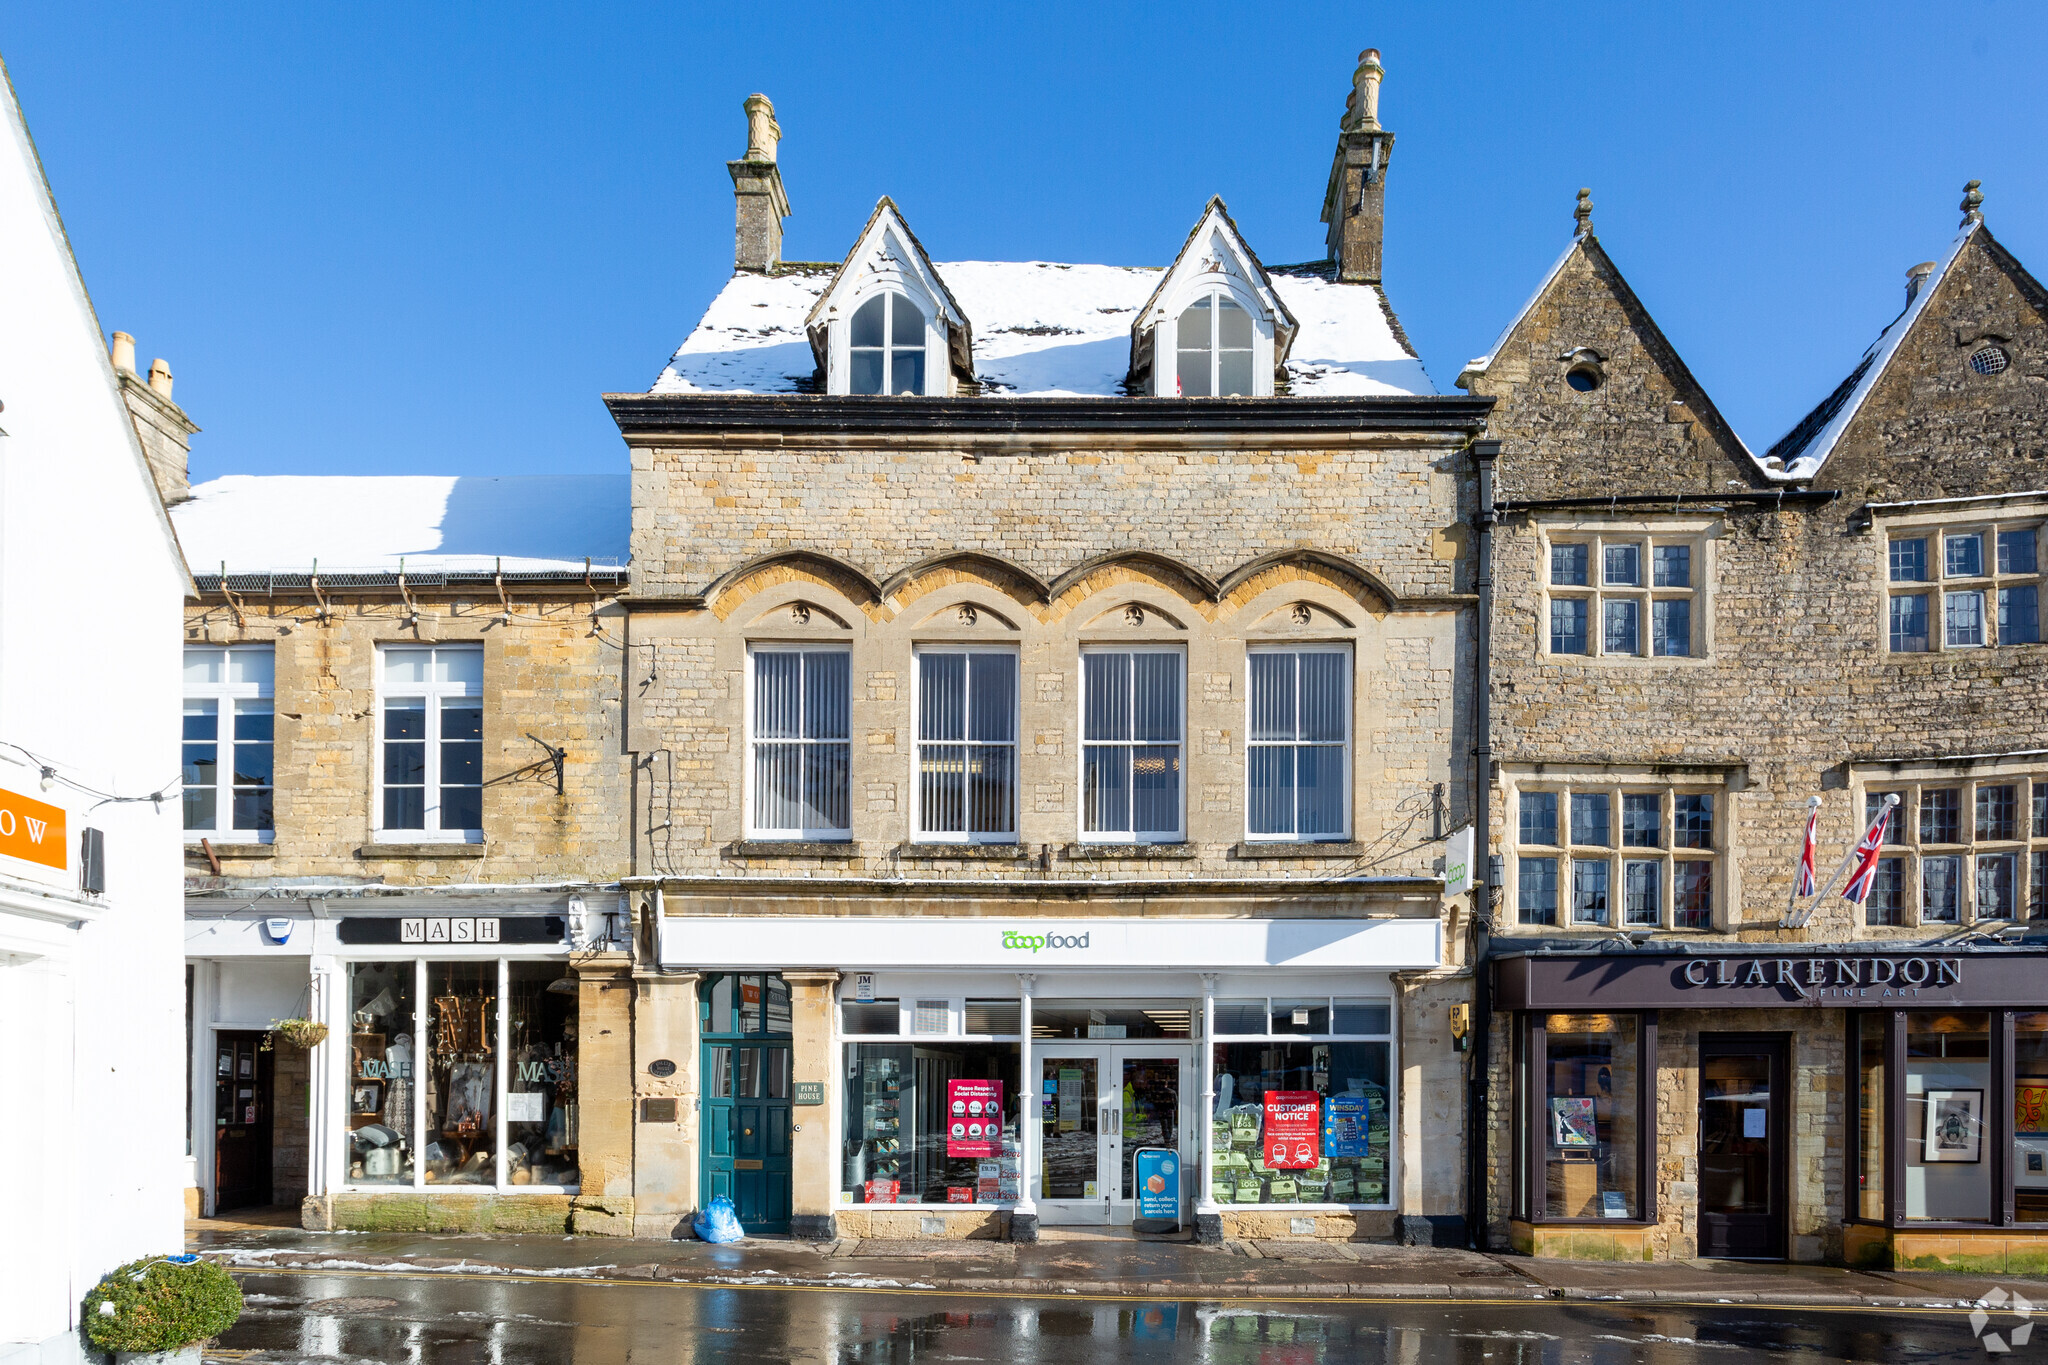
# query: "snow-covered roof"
[[1801, 452], [1042, 329], [282, 524], [1478, 364]]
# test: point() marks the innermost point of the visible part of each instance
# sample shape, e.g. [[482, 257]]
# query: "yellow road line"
[[1331, 1300]]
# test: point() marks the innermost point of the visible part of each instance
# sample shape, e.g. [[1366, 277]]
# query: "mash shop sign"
[[32, 830], [1856, 980]]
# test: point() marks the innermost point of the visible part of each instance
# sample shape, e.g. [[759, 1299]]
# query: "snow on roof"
[[1041, 329], [1478, 363], [437, 523], [1805, 448]]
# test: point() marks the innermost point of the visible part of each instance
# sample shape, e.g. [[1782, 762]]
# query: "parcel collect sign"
[[32, 830]]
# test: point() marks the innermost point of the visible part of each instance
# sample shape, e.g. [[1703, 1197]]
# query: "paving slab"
[[1277, 1268]]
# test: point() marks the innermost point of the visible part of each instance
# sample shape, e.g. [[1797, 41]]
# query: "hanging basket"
[[303, 1034]]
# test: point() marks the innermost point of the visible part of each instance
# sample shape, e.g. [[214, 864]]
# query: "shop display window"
[[1590, 1147], [918, 1127], [540, 1087], [2030, 1116], [462, 1073], [1354, 1122], [381, 1084], [1948, 1088], [1870, 1126]]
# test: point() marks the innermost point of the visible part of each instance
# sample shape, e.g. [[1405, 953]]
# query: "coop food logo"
[[1034, 942]]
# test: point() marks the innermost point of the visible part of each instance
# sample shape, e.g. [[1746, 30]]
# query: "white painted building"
[[91, 956]]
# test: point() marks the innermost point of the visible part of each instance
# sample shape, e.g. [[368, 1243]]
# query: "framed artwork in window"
[[366, 1098], [1572, 1123], [1955, 1126], [2030, 1105]]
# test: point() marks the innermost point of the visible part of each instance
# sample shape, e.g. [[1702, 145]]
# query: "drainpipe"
[[1478, 1136]]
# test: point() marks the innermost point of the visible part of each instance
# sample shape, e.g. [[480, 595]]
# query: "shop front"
[[442, 1063], [1881, 1106], [953, 1077]]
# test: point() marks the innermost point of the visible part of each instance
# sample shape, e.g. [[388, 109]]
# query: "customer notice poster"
[[974, 1118], [1294, 1129]]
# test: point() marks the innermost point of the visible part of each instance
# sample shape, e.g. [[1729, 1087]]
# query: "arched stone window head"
[[886, 346]]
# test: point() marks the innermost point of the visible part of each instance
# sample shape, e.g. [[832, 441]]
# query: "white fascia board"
[[765, 942]]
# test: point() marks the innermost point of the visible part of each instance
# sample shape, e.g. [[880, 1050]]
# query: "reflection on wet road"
[[463, 1321]]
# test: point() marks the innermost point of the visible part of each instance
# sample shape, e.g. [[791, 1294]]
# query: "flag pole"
[[1792, 901], [1890, 800]]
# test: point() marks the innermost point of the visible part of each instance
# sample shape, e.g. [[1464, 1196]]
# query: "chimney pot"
[[1916, 277], [160, 377], [123, 352], [1354, 205], [760, 202]]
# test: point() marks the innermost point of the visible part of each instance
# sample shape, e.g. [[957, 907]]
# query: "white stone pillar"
[[1205, 1199], [1026, 1208]]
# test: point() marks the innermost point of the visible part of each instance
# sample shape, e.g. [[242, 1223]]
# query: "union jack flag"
[[1806, 882], [1857, 890]]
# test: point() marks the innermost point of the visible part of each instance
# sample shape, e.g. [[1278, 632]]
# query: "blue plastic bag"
[[716, 1222]]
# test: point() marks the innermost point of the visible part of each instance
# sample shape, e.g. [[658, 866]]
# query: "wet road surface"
[[450, 1320]]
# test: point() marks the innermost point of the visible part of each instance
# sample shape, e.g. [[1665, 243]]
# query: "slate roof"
[[1043, 329], [1800, 453], [437, 524]]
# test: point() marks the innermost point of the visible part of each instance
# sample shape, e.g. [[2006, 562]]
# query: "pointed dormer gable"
[[887, 323], [1593, 397], [1916, 415], [1215, 317]]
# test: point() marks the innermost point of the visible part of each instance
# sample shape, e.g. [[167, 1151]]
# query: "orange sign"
[[32, 831], [2030, 1106]]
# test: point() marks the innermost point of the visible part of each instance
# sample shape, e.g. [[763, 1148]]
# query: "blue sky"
[[389, 239]]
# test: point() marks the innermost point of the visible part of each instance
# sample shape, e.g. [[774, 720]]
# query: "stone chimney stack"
[[757, 188], [161, 425], [1354, 205], [1916, 276]]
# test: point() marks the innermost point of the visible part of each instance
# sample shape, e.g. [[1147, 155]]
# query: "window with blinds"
[[800, 765], [967, 745], [1298, 746], [1132, 745]]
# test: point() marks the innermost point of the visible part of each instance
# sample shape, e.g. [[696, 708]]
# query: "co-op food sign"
[[1031, 943]]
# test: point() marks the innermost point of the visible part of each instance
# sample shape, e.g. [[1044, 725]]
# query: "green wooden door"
[[746, 1131]]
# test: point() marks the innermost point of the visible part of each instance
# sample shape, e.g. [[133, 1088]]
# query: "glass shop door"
[[1074, 1162]]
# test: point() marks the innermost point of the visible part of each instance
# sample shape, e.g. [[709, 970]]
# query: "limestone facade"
[[1793, 684]]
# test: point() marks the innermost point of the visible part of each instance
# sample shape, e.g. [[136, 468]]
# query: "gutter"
[[1703, 502]]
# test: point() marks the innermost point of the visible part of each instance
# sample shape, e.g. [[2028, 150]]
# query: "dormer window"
[[886, 346], [1215, 344]]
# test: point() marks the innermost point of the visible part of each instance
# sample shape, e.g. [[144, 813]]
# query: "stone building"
[[404, 808], [1048, 689], [1690, 647]]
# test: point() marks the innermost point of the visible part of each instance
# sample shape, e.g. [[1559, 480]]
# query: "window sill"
[[229, 851], [1074, 852], [375, 852], [791, 848], [965, 852], [1280, 848]]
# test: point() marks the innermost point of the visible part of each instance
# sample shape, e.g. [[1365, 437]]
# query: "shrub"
[[160, 1304]]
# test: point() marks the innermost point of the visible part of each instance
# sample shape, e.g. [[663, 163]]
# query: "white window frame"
[[1166, 339], [839, 338], [1647, 537], [820, 835], [336, 1143], [224, 694], [1178, 834], [1350, 730], [1392, 1040], [917, 743], [1903, 841], [1616, 854], [434, 692], [1939, 583]]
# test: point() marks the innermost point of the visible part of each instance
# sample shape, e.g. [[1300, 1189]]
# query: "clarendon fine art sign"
[[1719, 980]]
